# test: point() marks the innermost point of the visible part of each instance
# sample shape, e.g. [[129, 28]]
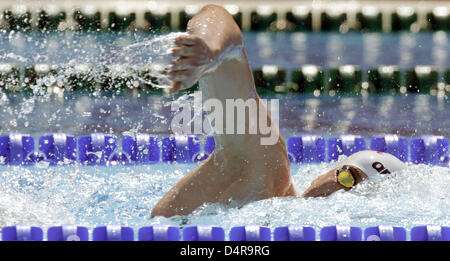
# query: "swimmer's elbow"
[[222, 21], [161, 211]]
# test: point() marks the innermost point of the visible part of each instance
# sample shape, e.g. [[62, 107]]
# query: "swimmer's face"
[[327, 183]]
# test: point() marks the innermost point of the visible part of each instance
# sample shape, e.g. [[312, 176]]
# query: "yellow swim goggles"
[[345, 176]]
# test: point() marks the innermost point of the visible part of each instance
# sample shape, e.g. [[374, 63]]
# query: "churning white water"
[[94, 196]]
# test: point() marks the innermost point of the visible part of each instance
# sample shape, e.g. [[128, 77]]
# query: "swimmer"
[[353, 170], [241, 169]]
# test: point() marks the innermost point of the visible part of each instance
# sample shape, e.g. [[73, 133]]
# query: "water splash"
[[414, 196], [155, 55]]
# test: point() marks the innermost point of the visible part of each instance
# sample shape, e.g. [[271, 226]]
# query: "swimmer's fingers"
[[191, 45], [179, 75], [182, 79], [176, 86], [188, 63], [187, 40], [179, 51], [189, 51]]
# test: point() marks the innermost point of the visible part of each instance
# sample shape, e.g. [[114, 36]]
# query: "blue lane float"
[[142, 148], [393, 144], [113, 233], [345, 145], [250, 233], [341, 233], [68, 233], [159, 233], [294, 233], [59, 148], [385, 233], [203, 233], [180, 148], [15, 149], [306, 149], [22, 233], [185, 149], [429, 150], [96, 149], [430, 233]]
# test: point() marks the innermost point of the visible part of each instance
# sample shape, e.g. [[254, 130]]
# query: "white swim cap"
[[374, 163]]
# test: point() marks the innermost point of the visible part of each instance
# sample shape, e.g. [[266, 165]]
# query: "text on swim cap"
[[380, 168]]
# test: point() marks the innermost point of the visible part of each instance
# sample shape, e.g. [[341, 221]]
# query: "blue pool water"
[[91, 196]]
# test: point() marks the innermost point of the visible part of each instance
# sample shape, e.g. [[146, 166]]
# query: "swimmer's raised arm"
[[211, 32], [240, 167]]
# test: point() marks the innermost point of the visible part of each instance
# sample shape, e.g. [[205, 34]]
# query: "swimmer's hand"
[[195, 57]]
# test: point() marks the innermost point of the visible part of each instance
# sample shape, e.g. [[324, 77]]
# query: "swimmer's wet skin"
[[240, 168]]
